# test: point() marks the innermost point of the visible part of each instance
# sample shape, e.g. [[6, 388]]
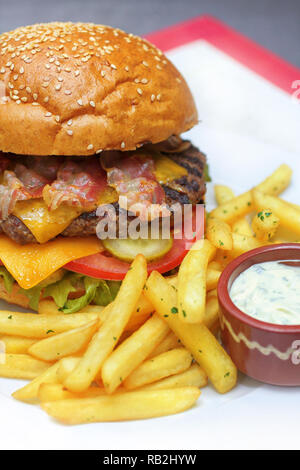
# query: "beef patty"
[[190, 189]]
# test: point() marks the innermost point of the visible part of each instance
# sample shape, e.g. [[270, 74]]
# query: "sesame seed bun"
[[77, 89]]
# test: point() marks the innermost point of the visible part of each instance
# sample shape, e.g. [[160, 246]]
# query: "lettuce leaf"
[[207, 176], [7, 278], [106, 292], [60, 290], [33, 294], [91, 285], [99, 291]]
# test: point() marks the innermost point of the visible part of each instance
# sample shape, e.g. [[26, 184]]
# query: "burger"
[[90, 117]]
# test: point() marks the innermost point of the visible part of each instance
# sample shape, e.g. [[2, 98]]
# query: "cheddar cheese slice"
[[166, 170], [42, 223], [32, 263]]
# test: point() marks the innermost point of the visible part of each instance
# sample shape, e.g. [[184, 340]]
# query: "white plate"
[[248, 132]]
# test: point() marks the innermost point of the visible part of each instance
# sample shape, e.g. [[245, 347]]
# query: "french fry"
[[277, 182], [295, 206], [166, 364], [211, 312], [17, 344], [21, 366], [192, 282], [212, 278], [64, 344], [242, 227], [55, 392], [202, 344], [48, 307], [218, 233], [288, 215], [32, 325], [124, 406], [66, 366], [192, 377], [215, 265], [29, 393], [170, 342], [140, 314], [242, 243], [265, 224], [104, 341], [223, 194], [241, 205], [212, 293], [132, 352]]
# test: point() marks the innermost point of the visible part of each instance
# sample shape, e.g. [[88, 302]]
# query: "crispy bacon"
[[18, 185], [134, 179], [77, 184]]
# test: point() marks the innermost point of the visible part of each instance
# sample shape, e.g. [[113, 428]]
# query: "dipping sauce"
[[269, 292]]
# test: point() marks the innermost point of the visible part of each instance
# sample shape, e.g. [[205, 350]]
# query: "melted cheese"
[[166, 170], [32, 263], [45, 224], [42, 223]]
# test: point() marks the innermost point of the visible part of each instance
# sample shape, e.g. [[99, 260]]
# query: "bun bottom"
[[14, 297]]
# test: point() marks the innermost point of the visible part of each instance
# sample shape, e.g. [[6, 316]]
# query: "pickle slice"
[[126, 249]]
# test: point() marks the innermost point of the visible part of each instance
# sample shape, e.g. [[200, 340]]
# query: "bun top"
[[77, 89]]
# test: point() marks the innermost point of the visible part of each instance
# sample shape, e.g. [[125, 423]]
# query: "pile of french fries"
[[149, 352]]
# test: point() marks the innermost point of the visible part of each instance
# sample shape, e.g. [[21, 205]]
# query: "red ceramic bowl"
[[264, 351]]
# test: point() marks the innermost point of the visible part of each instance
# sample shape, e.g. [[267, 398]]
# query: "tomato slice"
[[104, 266]]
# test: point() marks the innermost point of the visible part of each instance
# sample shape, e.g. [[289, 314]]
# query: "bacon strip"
[[134, 179], [77, 184], [19, 185]]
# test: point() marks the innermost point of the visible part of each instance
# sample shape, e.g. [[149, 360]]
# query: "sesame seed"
[[48, 114], [152, 98], [46, 99], [158, 97], [70, 122], [92, 103], [98, 151], [144, 81], [35, 104], [24, 99], [127, 68], [90, 147], [69, 132], [80, 102], [68, 92], [58, 87], [77, 73], [145, 63], [57, 118], [122, 145], [113, 66], [60, 79], [140, 92], [102, 73], [2, 70], [28, 89], [35, 96]]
